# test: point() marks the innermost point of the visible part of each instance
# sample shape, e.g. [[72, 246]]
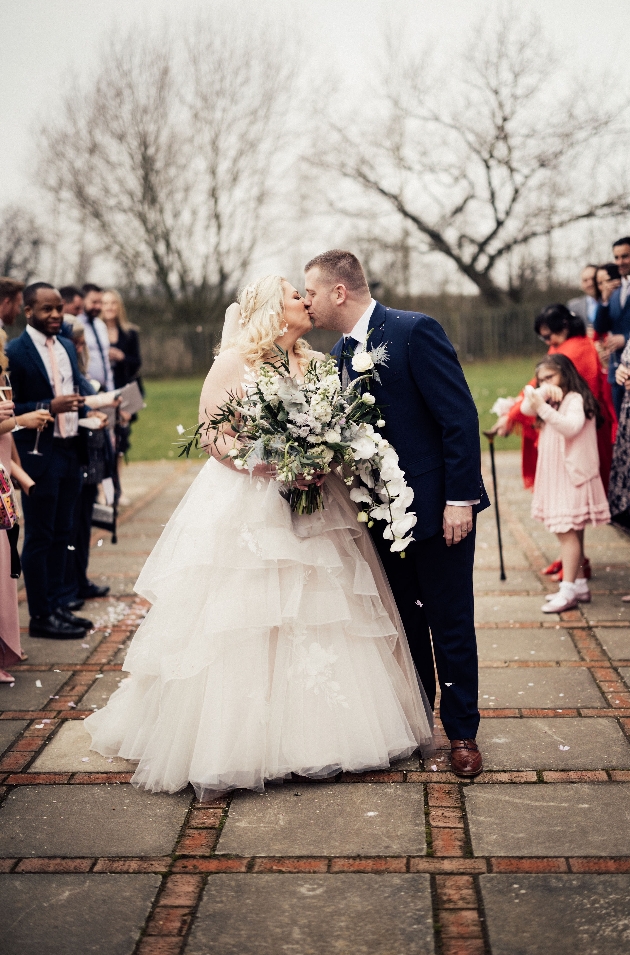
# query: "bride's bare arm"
[[225, 377]]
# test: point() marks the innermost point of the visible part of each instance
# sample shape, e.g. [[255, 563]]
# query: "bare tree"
[[488, 159], [21, 243], [168, 154]]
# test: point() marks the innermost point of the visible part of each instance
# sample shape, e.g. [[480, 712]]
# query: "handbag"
[[8, 508]]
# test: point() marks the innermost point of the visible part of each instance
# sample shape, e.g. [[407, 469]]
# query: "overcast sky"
[[42, 39]]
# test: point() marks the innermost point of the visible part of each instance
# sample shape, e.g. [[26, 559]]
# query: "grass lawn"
[[175, 401]]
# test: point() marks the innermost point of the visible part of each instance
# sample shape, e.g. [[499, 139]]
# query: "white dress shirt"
[[360, 330], [97, 341], [625, 290], [360, 333], [71, 418]]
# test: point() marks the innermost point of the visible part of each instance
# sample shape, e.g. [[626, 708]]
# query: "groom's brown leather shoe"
[[465, 758]]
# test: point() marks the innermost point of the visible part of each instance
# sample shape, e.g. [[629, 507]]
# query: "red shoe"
[[554, 568]]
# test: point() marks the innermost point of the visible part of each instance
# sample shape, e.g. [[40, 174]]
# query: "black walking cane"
[[490, 435]]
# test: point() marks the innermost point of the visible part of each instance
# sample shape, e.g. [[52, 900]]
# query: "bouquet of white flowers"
[[305, 428]]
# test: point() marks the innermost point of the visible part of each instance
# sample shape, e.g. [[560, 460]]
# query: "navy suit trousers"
[[48, 518], [440, 579]]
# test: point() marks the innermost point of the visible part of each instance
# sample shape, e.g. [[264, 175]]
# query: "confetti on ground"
[[72, 705], [38, 683], [564, 747]]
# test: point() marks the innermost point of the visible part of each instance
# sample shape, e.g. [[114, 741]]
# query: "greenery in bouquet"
[[302, 429]]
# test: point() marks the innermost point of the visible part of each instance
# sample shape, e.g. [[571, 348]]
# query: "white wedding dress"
[[272, 646]]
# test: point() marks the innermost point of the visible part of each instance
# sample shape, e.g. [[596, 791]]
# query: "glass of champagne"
[[40, 406], [6, 391]]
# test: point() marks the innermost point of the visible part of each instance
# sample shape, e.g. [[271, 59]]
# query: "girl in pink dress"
[[568, 490]]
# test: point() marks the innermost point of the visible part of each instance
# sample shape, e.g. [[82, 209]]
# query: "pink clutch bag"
[[8, 510]]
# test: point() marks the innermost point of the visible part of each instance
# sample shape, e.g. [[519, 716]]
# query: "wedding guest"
[[10, 646], [619, 493], [44, 373], [568, 490], [72, 300], [607, 279], [564, 333], [96, 337], [585, 306], [619, 490], [124, 356], [97, 462], [10, 300], [613, 317]]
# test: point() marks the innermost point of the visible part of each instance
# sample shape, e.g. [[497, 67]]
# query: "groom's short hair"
[[341, 266]]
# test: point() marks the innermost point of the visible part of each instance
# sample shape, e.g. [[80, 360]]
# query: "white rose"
[[362, 362], [368, 399]]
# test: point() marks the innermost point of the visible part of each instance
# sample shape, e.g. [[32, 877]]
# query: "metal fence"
[[484, 334]]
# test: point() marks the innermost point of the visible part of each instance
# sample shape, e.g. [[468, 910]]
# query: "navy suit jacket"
[[29, 380], [613, 318], [431, 418]]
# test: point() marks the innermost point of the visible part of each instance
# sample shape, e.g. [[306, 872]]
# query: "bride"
[[273, 645]]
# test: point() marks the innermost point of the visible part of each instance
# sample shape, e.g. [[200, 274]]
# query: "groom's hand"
[[457, 523]]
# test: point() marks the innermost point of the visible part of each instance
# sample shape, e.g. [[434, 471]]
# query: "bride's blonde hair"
[[261, 321]]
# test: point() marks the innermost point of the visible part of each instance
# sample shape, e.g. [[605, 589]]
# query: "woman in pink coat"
[[568, 489]]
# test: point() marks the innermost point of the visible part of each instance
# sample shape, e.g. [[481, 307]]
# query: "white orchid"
[[360, 496]]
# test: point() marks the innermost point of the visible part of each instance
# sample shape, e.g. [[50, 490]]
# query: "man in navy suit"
[[432, 423], [44, 371], [613, 317]]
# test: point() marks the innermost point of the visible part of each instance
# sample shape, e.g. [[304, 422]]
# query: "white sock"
[[581, 584], [568, 589]]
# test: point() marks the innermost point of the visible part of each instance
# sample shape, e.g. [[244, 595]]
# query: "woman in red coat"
[[565, 333]]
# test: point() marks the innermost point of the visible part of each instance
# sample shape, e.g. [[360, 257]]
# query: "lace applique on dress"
[[313, 667], [247, 539]]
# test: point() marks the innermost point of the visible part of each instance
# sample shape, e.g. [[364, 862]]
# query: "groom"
[[431, 421]]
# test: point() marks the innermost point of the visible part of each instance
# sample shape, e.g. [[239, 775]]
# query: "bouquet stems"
[[307, 501]]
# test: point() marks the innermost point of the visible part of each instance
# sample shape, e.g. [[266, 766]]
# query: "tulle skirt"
[[272, 646]]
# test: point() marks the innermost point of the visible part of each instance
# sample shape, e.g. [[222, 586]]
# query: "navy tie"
[[348, 373]]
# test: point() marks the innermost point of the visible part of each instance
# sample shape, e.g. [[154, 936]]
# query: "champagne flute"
[[40, 406], [6, 391]]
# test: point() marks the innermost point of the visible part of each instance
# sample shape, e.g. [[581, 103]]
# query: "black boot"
[[54, 628]]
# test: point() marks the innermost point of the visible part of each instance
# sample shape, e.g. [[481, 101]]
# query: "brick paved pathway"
[[532, 857]]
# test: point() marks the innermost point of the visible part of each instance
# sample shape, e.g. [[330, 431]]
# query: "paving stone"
[[518, 609], [559, 914], [267, 914], [69, 752], [99, 820], [516, 744], [609, 578], [61, 651], [353, 819], [74, 914], [489, 580], [10, 730], [532, 687], [625, 674], [563, 819], [99, 693], [615, 641], [25, 694], [525, 644], [606, 608], [487, 557]]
